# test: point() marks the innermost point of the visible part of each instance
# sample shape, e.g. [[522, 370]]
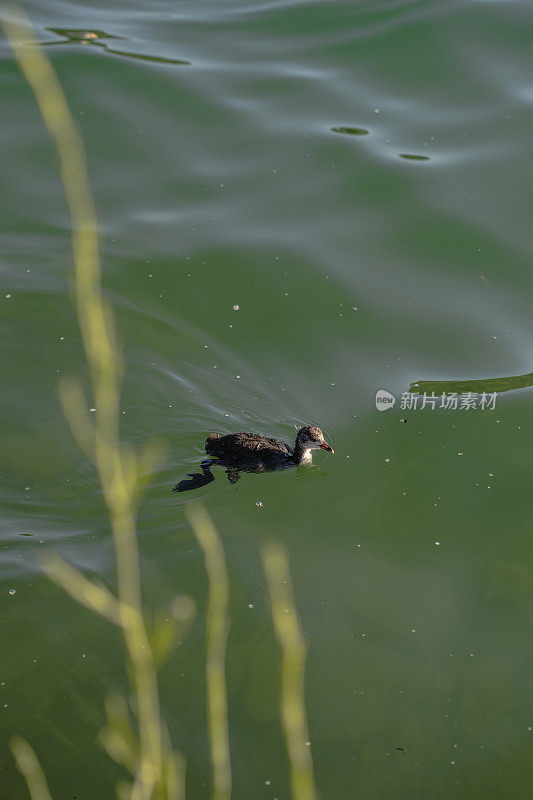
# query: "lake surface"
[[301, 203]]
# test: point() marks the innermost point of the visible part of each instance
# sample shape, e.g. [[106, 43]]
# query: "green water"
[[270, 171]]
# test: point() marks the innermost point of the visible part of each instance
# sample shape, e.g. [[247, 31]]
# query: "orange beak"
[[325, 446]]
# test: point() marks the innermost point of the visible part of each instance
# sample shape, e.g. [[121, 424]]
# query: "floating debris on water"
[[351, 131], [413, 157]]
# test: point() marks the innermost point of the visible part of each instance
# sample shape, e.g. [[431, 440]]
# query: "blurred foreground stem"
[[117, 468], [217, 634], [293, 649]]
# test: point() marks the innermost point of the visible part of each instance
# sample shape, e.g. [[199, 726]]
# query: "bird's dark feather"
[[240, 447]]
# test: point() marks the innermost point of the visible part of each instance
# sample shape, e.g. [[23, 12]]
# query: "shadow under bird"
[[251, 452]]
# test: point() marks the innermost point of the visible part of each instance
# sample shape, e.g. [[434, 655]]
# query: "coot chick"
[[252, 452], [241, 448]]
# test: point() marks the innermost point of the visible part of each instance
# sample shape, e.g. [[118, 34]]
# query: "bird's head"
[[311, 438]]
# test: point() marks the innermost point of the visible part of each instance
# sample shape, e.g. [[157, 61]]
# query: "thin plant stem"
[[217, 634], [28, 764], [292, 703], [114, 464]]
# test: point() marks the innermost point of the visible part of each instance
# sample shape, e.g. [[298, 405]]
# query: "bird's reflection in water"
[[195, 480], [233, 474]]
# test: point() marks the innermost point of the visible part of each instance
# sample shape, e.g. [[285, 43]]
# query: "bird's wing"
[[277, 445]]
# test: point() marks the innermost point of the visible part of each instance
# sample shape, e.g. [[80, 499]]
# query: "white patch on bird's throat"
[[307, 457]]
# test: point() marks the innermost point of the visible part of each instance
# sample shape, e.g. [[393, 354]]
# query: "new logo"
[[384, 400]]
